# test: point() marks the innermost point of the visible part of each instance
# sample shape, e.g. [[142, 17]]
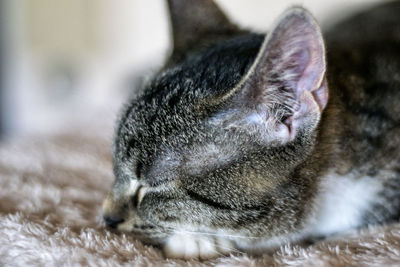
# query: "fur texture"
[[51, 188], [237, 146]]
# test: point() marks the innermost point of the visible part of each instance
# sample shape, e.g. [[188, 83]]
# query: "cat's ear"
[[196, 23], [286, 85]]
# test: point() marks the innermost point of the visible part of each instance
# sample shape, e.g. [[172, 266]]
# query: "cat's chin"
[[192, 246], [203, 247]]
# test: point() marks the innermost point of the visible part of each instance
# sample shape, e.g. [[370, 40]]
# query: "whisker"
[[230, 249], [168, 231], [215, 234]]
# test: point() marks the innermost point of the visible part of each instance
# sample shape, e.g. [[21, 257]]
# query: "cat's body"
[[235, 145]]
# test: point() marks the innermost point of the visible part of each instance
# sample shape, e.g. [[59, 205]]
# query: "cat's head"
[[210, 157]]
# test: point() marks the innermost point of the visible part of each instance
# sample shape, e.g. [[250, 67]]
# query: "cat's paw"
[[187, 246]]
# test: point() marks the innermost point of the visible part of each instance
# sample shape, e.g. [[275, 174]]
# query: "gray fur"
[[245, 147]]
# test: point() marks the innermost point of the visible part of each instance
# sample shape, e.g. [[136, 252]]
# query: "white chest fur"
[[342, 201]]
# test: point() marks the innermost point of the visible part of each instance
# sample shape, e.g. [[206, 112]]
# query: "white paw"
[[187, 246]]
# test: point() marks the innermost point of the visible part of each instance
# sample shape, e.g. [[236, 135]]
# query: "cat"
[[246, 141]]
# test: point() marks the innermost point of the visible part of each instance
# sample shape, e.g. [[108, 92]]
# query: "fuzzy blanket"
[[51, 190]]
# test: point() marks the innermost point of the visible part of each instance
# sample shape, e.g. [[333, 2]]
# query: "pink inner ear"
[[321, 95], [299, 57], [302, 57], [312, 79], [312, 58]]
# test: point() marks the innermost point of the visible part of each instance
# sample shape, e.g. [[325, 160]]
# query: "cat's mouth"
[[147, 233]]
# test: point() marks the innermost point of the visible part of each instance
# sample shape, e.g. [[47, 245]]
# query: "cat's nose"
[[113, 221]]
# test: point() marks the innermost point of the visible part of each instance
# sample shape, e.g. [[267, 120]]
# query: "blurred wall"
[[68, 60], [73, 60], [2, 50]]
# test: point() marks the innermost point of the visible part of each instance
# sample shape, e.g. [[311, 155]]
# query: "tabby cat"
[[236, 145]]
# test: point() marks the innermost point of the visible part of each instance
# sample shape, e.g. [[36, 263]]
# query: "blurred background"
[[74, 62]]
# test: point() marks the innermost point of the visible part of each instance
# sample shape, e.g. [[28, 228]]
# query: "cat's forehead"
[[168, 119], [213, 70], [179, 88]]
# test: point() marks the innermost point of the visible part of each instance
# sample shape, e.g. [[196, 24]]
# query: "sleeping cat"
[[246, 142]]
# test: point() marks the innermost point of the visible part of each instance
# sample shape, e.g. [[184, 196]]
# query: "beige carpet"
[[51, 189]]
